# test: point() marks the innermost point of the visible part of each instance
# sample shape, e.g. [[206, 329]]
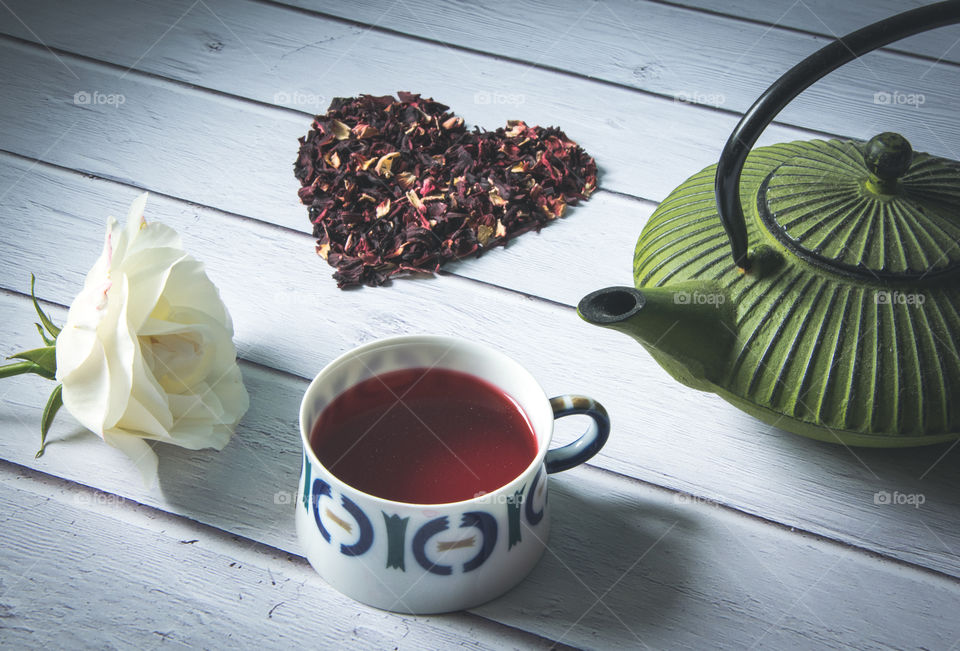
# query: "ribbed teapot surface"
[[849, 319]]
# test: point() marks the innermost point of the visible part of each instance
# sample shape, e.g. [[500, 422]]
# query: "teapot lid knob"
[[855, 207], [888, 156]]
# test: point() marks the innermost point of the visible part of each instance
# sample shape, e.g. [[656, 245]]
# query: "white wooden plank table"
[[695, 527]]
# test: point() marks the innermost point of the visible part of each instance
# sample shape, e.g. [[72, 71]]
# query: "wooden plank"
[[708, 59], [703, 58], [628, 566], [85, 569], [823, 490], [645, 46], [664, 433], [835, 19], [261, 186], [646, 145], [246, 184]]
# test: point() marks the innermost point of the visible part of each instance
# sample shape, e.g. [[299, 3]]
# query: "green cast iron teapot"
[[838, 314]]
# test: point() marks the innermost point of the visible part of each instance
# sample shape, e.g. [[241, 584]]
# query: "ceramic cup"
[[438, 557]]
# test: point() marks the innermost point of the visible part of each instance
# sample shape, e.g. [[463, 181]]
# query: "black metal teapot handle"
[[792, 83]]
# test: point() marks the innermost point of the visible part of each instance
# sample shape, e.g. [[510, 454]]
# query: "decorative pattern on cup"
[[471, 529]]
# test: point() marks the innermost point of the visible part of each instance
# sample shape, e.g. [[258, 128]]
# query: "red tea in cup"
[[429, 440], [424, 436]]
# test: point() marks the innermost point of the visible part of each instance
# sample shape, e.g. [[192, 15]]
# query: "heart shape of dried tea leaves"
[[402, 186]]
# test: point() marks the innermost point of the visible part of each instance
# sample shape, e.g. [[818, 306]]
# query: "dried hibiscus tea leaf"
[[399, 185]]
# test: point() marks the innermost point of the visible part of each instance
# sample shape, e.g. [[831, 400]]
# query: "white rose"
[[147, 350]]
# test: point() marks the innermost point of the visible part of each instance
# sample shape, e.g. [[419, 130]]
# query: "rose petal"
[[119, 347], [189, 286], [233, 396], [139, 451], [148, 271], [147, 350], [85, 384], [202, 405], [196, 435], [140, 420]]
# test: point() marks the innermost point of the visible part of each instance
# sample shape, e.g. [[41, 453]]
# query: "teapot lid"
[[872, 209]]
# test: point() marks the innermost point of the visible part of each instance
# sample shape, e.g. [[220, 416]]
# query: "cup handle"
[[573, 454]]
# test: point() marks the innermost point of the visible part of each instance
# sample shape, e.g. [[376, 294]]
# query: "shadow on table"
[[930, 465], [932, 470], [611, 572], [249, 487], [877, 497]]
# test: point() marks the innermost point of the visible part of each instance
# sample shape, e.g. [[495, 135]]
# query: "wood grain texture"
[[833, 19], [210, 115], [184, 129], [663, 432], [627, 566], [553, 269], [706, 59], [86, 569], [260, 186]]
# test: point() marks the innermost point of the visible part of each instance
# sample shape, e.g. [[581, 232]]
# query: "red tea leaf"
[[401, 186]]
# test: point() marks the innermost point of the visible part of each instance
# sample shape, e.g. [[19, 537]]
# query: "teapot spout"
[[688, 328]]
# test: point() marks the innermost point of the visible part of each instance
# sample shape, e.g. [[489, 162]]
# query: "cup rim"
[[543, 445]]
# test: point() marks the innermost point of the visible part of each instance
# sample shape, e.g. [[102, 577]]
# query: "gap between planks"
[[188, 201], [814, 133], [373, 27], [835, 542], [719, 13], [286, 229], [227, 539], [145, 74]]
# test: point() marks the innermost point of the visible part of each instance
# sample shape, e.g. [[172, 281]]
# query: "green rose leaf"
[[45, 358], [47, 323], [53, 405]]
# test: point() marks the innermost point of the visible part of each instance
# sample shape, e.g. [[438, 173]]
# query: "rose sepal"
[[44, 319], [45, 359], [40, 361]]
